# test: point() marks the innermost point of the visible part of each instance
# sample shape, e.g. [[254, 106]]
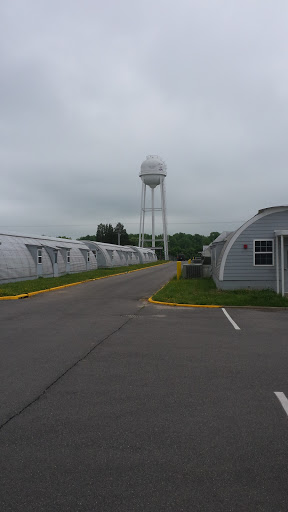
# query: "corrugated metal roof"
[[222, 237], [271, 208]]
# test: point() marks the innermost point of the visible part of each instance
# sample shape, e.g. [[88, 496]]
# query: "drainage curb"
[[184, 305], [261, 308]]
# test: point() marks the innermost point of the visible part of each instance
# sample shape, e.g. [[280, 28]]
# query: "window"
[[55, 256], [263, 252], [68, 256], [39, 256], [95, 254], [88, 257]]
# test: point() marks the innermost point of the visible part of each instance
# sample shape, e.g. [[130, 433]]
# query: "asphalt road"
[[109, 403]]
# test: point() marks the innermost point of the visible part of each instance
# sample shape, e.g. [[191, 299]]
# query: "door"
[[55, 263]]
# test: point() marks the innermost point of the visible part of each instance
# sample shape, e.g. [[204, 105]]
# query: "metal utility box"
[[193, 271]]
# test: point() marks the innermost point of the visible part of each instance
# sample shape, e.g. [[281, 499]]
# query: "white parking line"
[[283, 400], [230, 320]]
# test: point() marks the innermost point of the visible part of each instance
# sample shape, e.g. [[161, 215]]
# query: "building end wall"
[[245, 285]]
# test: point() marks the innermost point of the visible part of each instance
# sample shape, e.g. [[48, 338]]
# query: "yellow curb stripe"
[[184, 305], [14, 297], [30, 294]]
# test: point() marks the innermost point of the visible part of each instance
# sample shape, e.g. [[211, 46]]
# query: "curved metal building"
[[254, 256], [25, 257], [112, 255]]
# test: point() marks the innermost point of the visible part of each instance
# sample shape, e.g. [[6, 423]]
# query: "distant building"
[[25, 257]]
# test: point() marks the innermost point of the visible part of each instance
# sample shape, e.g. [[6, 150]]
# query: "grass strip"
[[204, 292], [45, 283]]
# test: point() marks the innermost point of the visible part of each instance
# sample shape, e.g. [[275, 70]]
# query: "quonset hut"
[[25, 257], [110, 255], [255, 255]]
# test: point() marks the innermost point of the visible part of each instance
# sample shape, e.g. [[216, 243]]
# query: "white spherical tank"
[[151, 171]]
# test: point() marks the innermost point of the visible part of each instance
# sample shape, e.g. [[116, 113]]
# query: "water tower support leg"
[[153, 217], [163, 206], [141, 216]]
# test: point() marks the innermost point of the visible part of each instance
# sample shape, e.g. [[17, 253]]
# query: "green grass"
[[204, 291], [44, 283]]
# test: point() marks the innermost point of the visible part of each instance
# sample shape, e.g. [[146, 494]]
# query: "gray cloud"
[[89, 89]]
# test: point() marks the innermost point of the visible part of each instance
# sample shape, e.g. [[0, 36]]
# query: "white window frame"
[[39, 256], [88, 256], [270, 252], [68, 255]]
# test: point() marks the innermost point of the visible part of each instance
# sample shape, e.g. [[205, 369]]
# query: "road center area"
[[118, 404]]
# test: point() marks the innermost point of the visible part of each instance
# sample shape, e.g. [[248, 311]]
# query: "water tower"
[[153, 173]]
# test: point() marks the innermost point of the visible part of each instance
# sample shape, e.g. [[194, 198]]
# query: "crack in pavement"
[[130, 317]]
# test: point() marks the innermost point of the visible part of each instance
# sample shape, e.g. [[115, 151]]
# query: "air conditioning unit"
[[192, 271]]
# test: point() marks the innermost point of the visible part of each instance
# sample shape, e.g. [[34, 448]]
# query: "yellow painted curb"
[[184, 305], [261, 308], [30, 294], [14, 297]]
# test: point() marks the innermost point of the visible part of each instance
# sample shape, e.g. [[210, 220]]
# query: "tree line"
[[179, 243], [107, 234]]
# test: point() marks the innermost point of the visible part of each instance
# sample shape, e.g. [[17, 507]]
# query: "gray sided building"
[[255, 255]]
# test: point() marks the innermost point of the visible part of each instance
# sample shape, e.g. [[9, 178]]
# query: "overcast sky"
[[88, 88]]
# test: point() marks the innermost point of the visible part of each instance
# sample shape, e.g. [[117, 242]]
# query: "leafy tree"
[[134, 239], [124, 237], [179, 243], [105, 233], [189, 245], [88, 237], [101, 232], [211, 237]]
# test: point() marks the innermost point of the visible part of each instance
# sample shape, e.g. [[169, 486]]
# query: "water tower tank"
[[151, 171]]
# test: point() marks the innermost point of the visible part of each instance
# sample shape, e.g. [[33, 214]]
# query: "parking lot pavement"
[[174, 411], [43, 336], [261, 319]]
